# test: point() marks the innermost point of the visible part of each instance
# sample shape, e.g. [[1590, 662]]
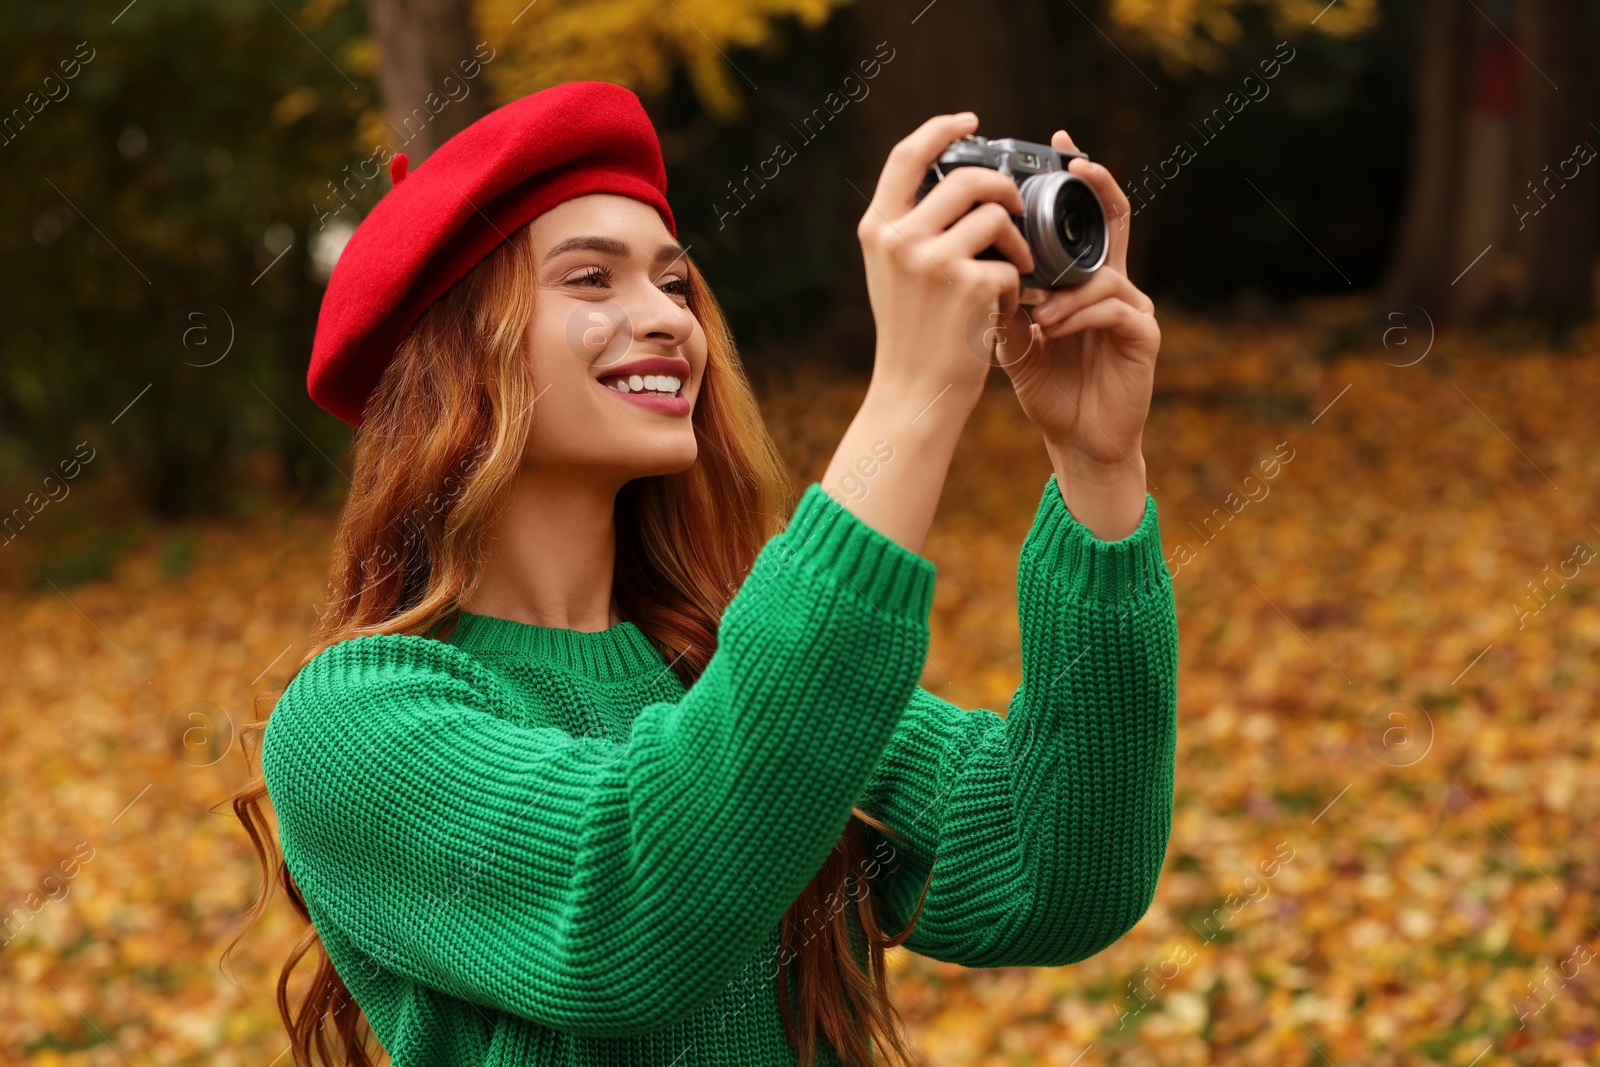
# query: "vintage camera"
[[1062, 218]]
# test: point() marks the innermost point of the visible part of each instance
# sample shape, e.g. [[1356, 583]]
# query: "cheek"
[[568, 337], [567, 404], [695, 353]]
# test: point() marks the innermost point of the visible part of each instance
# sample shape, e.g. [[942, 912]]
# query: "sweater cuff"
[[834, 541], [1092, 569]]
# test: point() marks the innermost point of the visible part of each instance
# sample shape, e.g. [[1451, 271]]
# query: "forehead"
[[633, 222]]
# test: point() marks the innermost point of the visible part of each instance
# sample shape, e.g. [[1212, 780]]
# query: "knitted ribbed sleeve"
[[1050, 825], [590, 886]]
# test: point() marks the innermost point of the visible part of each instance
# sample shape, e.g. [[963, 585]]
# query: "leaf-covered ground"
[[1384, 843]]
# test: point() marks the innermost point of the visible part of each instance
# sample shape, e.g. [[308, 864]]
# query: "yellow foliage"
[[359, 56], [638, 43], [1415, 908], [1196, 34], [294, 106], [316, 12]]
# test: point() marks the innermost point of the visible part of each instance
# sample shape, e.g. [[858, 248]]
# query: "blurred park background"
[[1370, 229]]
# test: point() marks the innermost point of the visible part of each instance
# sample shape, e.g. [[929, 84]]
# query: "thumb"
[[1018, 337]]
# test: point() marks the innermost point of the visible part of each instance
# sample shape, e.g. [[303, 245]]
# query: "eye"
[[592, 277], [679, 287]]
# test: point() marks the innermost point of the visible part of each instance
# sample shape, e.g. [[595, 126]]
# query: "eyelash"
[[596, 277], [588, 276]]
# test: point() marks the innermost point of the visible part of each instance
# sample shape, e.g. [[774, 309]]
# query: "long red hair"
[[441, 442]]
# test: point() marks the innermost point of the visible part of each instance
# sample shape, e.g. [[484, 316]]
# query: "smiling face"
[[618, 356]]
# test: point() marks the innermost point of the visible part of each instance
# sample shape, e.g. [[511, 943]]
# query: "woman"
[[591, 758]]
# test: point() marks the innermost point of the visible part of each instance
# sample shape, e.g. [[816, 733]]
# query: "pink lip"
[[678, 368], [667, 405]]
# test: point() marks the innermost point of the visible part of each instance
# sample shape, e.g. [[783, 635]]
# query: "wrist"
[[922, 405], [1107, 498], [1073, 464]]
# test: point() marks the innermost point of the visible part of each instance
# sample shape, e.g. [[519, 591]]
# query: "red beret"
[[462, 202]]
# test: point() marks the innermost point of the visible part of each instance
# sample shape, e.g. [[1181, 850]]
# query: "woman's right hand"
[[928, 294]]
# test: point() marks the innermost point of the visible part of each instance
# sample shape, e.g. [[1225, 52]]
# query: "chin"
[[659, 461]]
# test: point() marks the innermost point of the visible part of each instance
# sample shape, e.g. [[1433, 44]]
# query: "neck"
[[551, 556]]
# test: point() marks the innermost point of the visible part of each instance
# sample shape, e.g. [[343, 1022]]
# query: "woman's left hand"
[[1083, 366]]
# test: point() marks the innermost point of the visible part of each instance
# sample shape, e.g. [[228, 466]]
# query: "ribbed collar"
[[619, 653]]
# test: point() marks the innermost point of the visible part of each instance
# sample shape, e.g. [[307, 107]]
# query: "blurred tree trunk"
[[420, 43], [1555, 248], [1487, 228], [1428, 218]]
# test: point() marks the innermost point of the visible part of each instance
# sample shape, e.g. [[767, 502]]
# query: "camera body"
[[1062, 217]]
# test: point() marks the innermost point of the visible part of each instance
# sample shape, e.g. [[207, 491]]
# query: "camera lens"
[[1065, 226], [1077, 212], [1071, 226]]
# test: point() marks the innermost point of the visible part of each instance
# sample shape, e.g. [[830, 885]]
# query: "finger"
[[1118, 211], [1102, 283], [956, 195], [988, 224], [1018, 338], [1114, 315], [998, 284], [1010, 297], [1061, 142], [909, 160], [999, 281]]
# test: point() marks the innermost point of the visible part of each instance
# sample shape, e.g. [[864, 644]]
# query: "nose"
[[656, 316]]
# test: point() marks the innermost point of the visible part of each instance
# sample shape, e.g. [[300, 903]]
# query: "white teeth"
[[663, 384]]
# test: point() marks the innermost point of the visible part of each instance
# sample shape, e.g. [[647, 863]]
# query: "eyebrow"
[[612, 247]]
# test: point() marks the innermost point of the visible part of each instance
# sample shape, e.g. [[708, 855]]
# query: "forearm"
[[1049, 825], [890, 466], [1107, 499], [1091, 730]]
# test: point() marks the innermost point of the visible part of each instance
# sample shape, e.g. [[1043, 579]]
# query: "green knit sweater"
[[525, 845]]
